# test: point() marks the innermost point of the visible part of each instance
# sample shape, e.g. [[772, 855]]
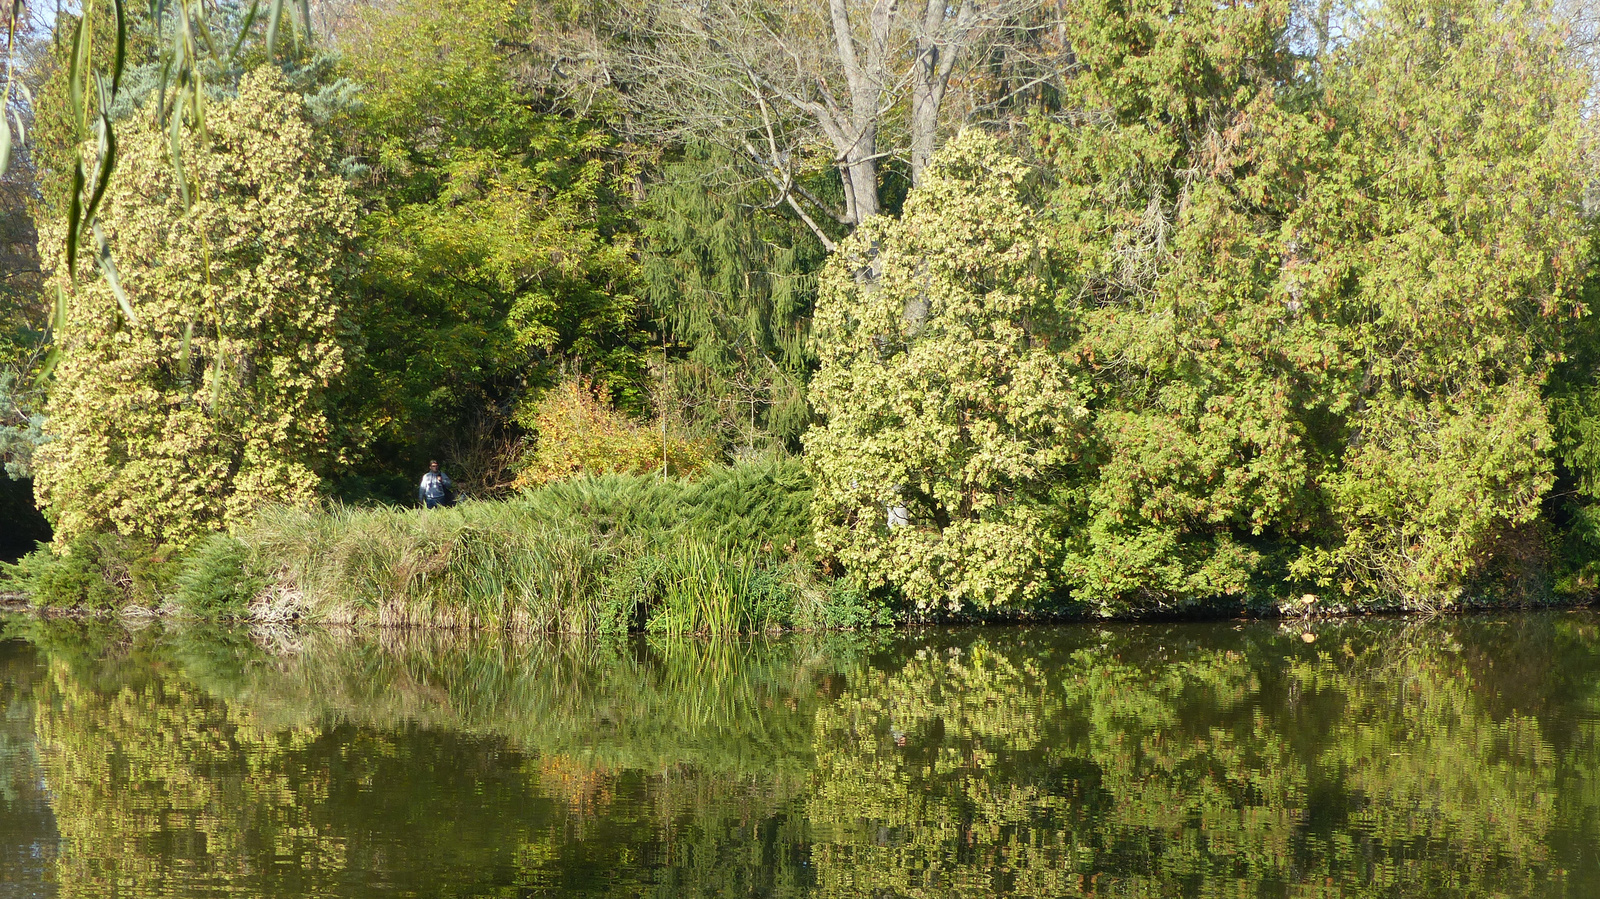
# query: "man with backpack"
[[436, 489]]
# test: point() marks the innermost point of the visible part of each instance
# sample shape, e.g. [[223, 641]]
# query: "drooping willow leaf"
[[122, 46], [249, 22], [108, 268], [216, 379], [75, 219], [183, 348], [5, 129], [75, 74], [274, 20], [58, 323], [177, 150], [108, 154]]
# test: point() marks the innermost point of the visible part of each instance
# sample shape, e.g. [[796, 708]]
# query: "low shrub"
[[764, 506], [96, 572], [847, 606], [580, 433], [218, 578]]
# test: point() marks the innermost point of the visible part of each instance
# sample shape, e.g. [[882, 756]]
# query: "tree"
[[1318, 296], [1168, 201], [1442, 235], [796, 85], [731, 284], [206, 397], [941, 445], [497, 249]]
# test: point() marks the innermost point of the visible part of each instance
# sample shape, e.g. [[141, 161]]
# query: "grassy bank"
[[727, 552]]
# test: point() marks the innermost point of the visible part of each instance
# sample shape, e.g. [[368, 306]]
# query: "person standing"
[[436, 487]]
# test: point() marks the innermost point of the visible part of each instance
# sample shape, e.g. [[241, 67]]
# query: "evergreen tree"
[[942, 445], [732, 285], [206, 396]]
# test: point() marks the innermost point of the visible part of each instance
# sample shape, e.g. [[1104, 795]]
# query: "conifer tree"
[[203, 396]]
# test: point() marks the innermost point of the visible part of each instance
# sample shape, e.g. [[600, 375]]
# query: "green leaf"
[[244, 31], [5, 145], [205, 37], [122, 47], [183, 348], [48, 367], [199, 106], [74, 219], [108, 154], [108, 268], [177, 149], [274, 19], [75, 77], [216, 380]]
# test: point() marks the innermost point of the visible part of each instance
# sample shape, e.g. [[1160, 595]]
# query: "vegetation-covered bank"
[[728, 552]]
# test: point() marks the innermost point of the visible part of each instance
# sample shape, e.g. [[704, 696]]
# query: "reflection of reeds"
[[593, 557], [656, 704]]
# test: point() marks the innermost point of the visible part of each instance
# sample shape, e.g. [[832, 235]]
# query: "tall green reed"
[[727, 554]]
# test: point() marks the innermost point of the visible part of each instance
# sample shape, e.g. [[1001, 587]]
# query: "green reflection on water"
[[1387, 758]]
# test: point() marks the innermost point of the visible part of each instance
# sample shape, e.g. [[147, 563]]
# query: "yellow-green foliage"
[[964, 422], [580, 432], [209, 400], [1260, 339], [1448, 236], [1431, 488]]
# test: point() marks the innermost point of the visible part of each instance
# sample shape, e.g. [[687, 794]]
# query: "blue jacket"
[[435, 486]]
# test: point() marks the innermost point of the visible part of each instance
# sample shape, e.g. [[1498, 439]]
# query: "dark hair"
[[433, 461]]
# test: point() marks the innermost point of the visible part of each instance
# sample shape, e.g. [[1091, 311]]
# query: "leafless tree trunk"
[[939, 44]]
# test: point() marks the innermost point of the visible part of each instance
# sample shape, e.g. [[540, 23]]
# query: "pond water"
[[1456, 757]]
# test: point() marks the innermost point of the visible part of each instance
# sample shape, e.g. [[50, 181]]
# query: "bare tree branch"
[[838, 84]]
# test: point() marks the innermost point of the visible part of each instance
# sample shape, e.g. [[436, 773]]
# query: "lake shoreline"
[[19, 603]]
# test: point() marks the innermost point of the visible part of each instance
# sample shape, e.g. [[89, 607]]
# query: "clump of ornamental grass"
[[475, 565]]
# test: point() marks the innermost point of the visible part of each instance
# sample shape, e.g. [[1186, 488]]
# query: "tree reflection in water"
[[1447, 758]]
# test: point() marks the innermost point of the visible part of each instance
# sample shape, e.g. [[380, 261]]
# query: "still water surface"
[[1386, 758]]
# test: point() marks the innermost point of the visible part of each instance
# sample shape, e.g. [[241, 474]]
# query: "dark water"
[[1387, 758]]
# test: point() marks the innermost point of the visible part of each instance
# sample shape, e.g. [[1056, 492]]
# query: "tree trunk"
[[940, 38], [858, 166]]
